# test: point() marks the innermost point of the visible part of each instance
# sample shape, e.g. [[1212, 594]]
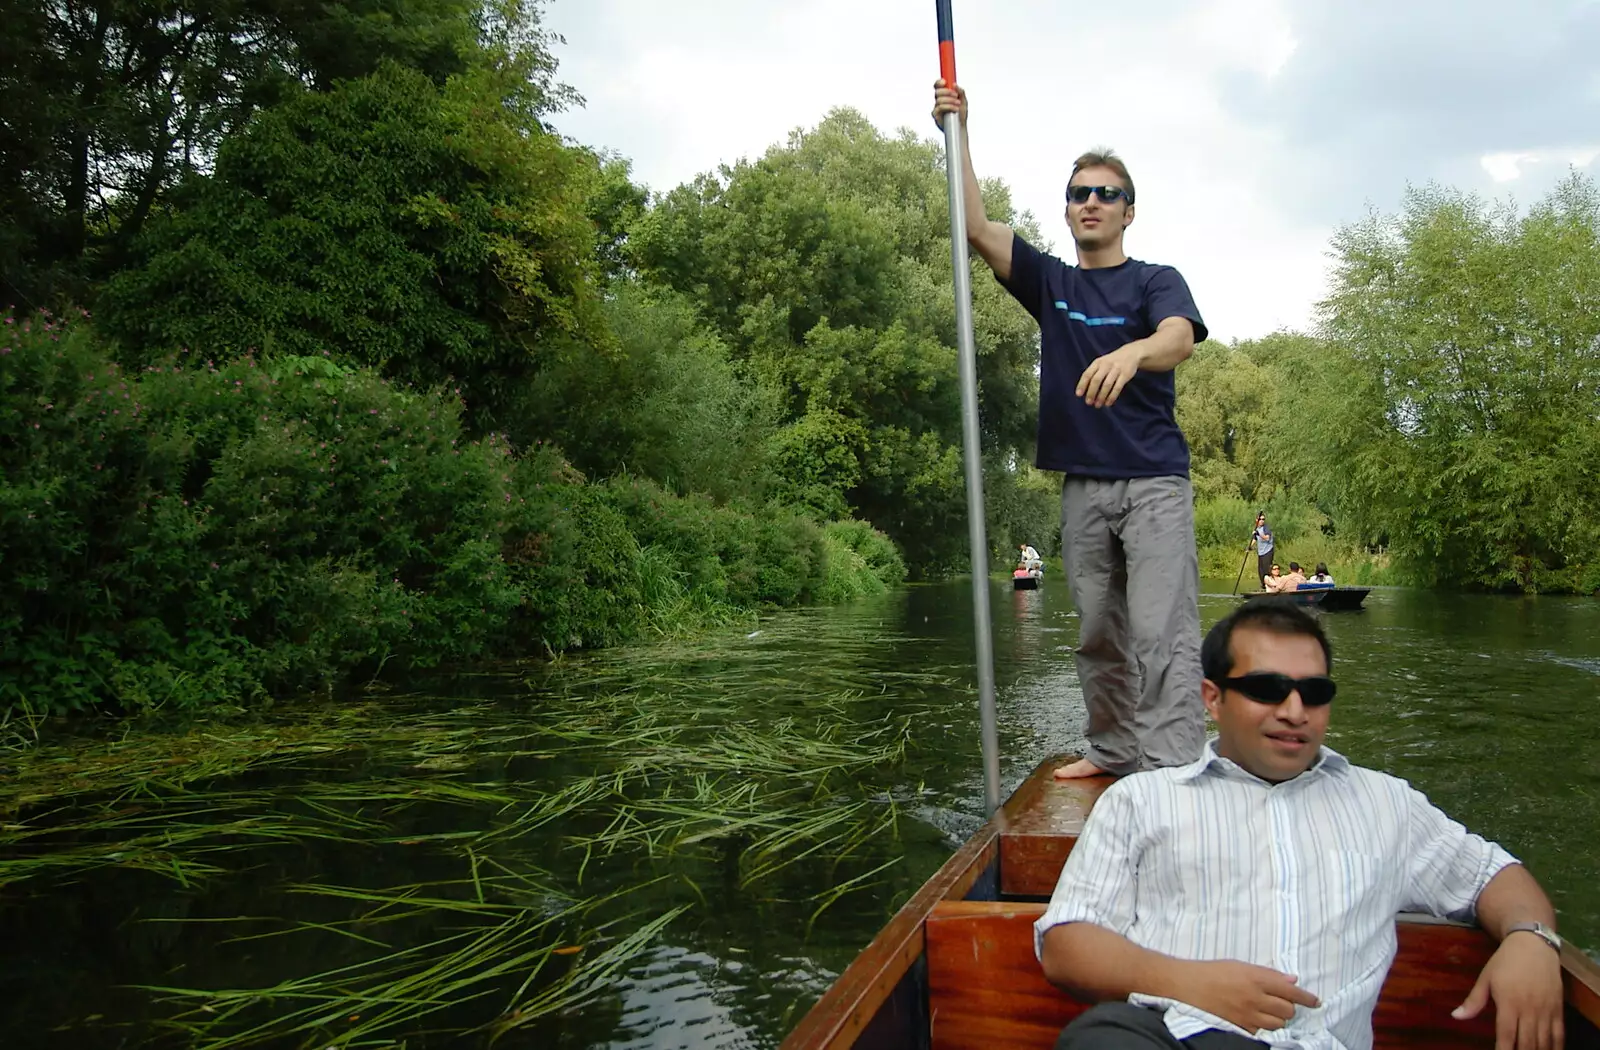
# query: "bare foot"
[[1079, 769]]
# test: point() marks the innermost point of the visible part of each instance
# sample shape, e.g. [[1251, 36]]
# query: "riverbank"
[[1348, 565], [201, 535]]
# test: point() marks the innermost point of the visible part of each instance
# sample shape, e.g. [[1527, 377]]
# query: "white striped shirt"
[[1206, 861]]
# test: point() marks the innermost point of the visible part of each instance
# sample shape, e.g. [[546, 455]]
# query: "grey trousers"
[[1123, 1026], [1135, 579]]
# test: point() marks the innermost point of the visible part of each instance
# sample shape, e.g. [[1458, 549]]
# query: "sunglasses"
[[1107, 194], [1269, 687]]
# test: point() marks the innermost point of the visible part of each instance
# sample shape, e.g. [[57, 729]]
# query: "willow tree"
[[1457, 410]]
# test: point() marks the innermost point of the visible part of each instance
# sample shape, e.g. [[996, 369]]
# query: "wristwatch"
[[1540, 930]]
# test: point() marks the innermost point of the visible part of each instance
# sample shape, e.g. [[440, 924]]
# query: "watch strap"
[[1539, 930]]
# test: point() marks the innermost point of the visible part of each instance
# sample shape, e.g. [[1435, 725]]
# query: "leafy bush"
[[770, 555], [574, 561], [667, 403], [1225, 522], [859, 561], [200, 534]]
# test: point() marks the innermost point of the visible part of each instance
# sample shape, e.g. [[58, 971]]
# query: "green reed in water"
[[503, 942], [658, 755]]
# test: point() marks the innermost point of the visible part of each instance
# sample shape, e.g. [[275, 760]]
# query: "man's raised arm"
[[992, 240]]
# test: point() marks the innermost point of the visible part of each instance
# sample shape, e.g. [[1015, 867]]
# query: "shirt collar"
[[1328, 762]]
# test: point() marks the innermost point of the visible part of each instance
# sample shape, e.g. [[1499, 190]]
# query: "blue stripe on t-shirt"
[[1077, 316]]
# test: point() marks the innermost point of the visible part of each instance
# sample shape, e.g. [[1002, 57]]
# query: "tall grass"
[[1223, 527]]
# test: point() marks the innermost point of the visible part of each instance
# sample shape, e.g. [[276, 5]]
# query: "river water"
[[1486, 703]]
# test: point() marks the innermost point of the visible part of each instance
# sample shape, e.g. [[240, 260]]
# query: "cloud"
[[1508, 167], [1253, 127], [1379, 94]]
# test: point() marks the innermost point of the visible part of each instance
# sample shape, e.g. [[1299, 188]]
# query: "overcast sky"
[[1252, 127]]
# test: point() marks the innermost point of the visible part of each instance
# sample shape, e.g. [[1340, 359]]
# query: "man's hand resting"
[[1523, 977], [1252, 997]]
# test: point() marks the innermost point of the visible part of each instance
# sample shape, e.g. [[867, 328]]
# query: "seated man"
[[1249, 898], [1291, 579], [1030, 558]]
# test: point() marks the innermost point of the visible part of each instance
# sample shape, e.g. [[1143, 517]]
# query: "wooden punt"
[[1025, 583], [954, 969], [1331, 599]]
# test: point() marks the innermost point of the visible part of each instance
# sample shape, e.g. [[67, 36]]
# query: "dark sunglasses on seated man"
[[1107, 194], [1269, 687]]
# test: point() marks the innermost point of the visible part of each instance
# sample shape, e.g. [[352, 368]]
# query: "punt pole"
[[972, 451]]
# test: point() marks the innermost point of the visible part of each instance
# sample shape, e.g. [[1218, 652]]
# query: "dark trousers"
[[1263, 567], [1124, 1026]]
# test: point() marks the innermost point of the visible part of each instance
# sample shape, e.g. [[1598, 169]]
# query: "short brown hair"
[[1103, 158]]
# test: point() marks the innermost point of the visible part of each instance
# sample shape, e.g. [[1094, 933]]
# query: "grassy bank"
[[211, 535], [1223, 526], [1346, 564]]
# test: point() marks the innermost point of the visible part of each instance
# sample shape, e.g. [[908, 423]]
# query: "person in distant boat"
[[1030, 558], [1320, 578], [1273, 580], [1248, 899], [1292, 579], [1262, 538], [1111, 331]]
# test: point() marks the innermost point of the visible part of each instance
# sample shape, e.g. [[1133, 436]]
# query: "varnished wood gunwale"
[[1042, 829], [986, 992], [849, 1004], [1581, 977]]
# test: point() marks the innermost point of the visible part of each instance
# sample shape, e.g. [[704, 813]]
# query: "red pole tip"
[[947, 42]]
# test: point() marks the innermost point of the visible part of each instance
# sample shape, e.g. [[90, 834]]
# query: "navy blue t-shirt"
[[1083, 314]]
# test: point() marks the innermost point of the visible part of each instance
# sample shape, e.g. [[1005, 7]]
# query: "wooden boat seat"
[[986, 991]]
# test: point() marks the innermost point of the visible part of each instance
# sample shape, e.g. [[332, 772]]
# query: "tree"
[[1466, 341], [659, 399], [826, 265], [1224, 400], [111, 105], [389, 222], [616, 204]]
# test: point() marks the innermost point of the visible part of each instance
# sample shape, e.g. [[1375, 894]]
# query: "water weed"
[[552, 833]]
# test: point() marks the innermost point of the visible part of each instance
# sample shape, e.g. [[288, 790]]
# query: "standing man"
[[1262, 538], [1112, 329]]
